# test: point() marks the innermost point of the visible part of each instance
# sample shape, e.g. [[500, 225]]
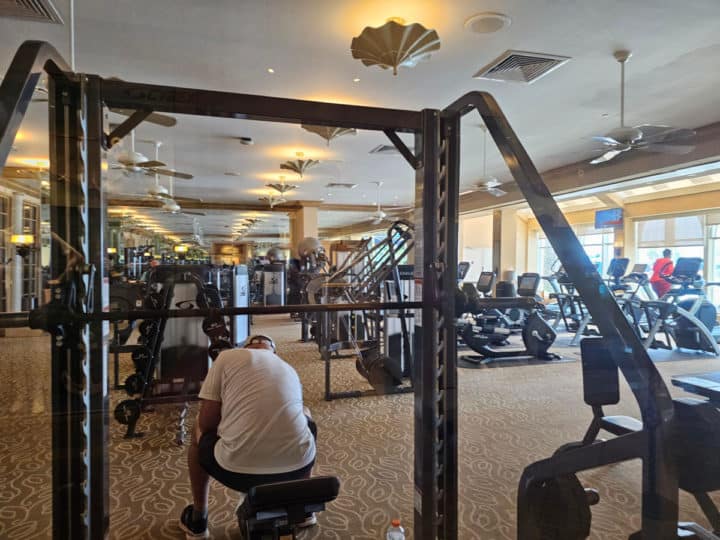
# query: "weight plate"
[[134, 384], [218, 346], [127, 412]]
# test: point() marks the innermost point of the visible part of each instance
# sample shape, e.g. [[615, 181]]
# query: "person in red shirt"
[[662, 267]]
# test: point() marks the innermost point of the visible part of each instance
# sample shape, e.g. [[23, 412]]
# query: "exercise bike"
[[537, 335]]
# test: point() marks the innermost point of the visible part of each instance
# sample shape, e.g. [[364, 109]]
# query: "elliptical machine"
[[683, 315]]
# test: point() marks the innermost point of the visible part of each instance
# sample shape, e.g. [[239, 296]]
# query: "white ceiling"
[[228, 45]]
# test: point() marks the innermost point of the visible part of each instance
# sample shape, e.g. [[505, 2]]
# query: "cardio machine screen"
[[612, 218], [485, 281], [528, 284]]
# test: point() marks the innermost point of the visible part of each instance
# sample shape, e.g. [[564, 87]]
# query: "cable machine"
[[76, 313], [363, 278]]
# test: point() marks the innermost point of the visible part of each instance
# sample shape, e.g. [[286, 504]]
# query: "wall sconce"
[[24, 243]]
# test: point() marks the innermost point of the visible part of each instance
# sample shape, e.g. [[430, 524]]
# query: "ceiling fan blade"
[[663, 134], [675, 149], [495, 192], [184, 199], [161, 195], [189, 213], [607, 156], [154, 118], [608, 141], [151, 164], [174, 174]]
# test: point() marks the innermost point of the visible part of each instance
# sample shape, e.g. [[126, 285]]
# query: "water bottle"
[[395, 531]]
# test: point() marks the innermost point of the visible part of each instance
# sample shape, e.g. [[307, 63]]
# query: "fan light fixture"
[[394, 44]]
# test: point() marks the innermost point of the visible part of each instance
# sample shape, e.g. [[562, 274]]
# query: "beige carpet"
[[509, 417]]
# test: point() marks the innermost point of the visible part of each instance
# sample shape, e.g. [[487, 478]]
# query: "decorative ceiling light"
[[272, 200], [394, 44], [299, 166], [329, 133], [281, 186]]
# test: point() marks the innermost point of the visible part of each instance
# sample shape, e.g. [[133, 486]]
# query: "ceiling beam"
[[238, 206], [168, 99], [581, 175]]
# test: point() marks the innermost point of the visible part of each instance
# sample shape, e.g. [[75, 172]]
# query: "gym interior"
[[486, 236]]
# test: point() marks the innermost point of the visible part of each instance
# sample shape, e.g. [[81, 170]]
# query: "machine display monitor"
[[639, 269], [485, 281], [528, 284], [612, 218]]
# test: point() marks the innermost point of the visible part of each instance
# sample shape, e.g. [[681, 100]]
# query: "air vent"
[[520, 66], [34, 10], [341, 185]]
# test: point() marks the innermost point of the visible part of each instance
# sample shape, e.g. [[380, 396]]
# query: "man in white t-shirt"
[[252, 428]]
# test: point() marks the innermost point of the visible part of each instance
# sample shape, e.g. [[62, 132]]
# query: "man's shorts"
[[240, 481]]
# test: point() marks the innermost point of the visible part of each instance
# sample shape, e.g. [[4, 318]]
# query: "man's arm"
[[209, 415]]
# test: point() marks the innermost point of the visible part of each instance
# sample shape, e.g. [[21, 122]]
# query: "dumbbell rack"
[[146, 355]]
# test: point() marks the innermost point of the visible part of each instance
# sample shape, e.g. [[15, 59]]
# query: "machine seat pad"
[[318, 490], [621, 425]]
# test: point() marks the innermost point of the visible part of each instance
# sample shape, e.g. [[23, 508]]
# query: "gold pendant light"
[[394, 44], [329, 133]]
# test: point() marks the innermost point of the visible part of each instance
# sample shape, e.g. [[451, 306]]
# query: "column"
[[303, 224]]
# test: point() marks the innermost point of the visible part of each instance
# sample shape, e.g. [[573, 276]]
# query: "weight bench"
[[273, 511]]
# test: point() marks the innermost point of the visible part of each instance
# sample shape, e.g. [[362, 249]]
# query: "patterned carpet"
[[509, 417]]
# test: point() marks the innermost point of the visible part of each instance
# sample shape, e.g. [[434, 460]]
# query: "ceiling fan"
[[158, 192], [379, 215], [130, 162], [647, 137], [488, 184]]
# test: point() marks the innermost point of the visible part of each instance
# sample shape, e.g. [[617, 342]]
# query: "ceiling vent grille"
[[34, 10], [520, 66]]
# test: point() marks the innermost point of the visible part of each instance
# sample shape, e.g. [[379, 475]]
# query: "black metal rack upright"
[[79, 357]]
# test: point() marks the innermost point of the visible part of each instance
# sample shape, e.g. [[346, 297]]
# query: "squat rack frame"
[[80, 397]]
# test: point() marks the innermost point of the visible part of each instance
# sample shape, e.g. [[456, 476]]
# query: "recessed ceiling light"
[[270, 70], [356, 79], [487, 22]]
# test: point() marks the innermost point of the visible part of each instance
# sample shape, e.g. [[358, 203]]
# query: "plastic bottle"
[[395, 532]]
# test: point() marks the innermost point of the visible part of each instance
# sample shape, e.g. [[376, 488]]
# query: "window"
[[31, 269], [598, 245], [683, 235], [4, 226], [713, 263]]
